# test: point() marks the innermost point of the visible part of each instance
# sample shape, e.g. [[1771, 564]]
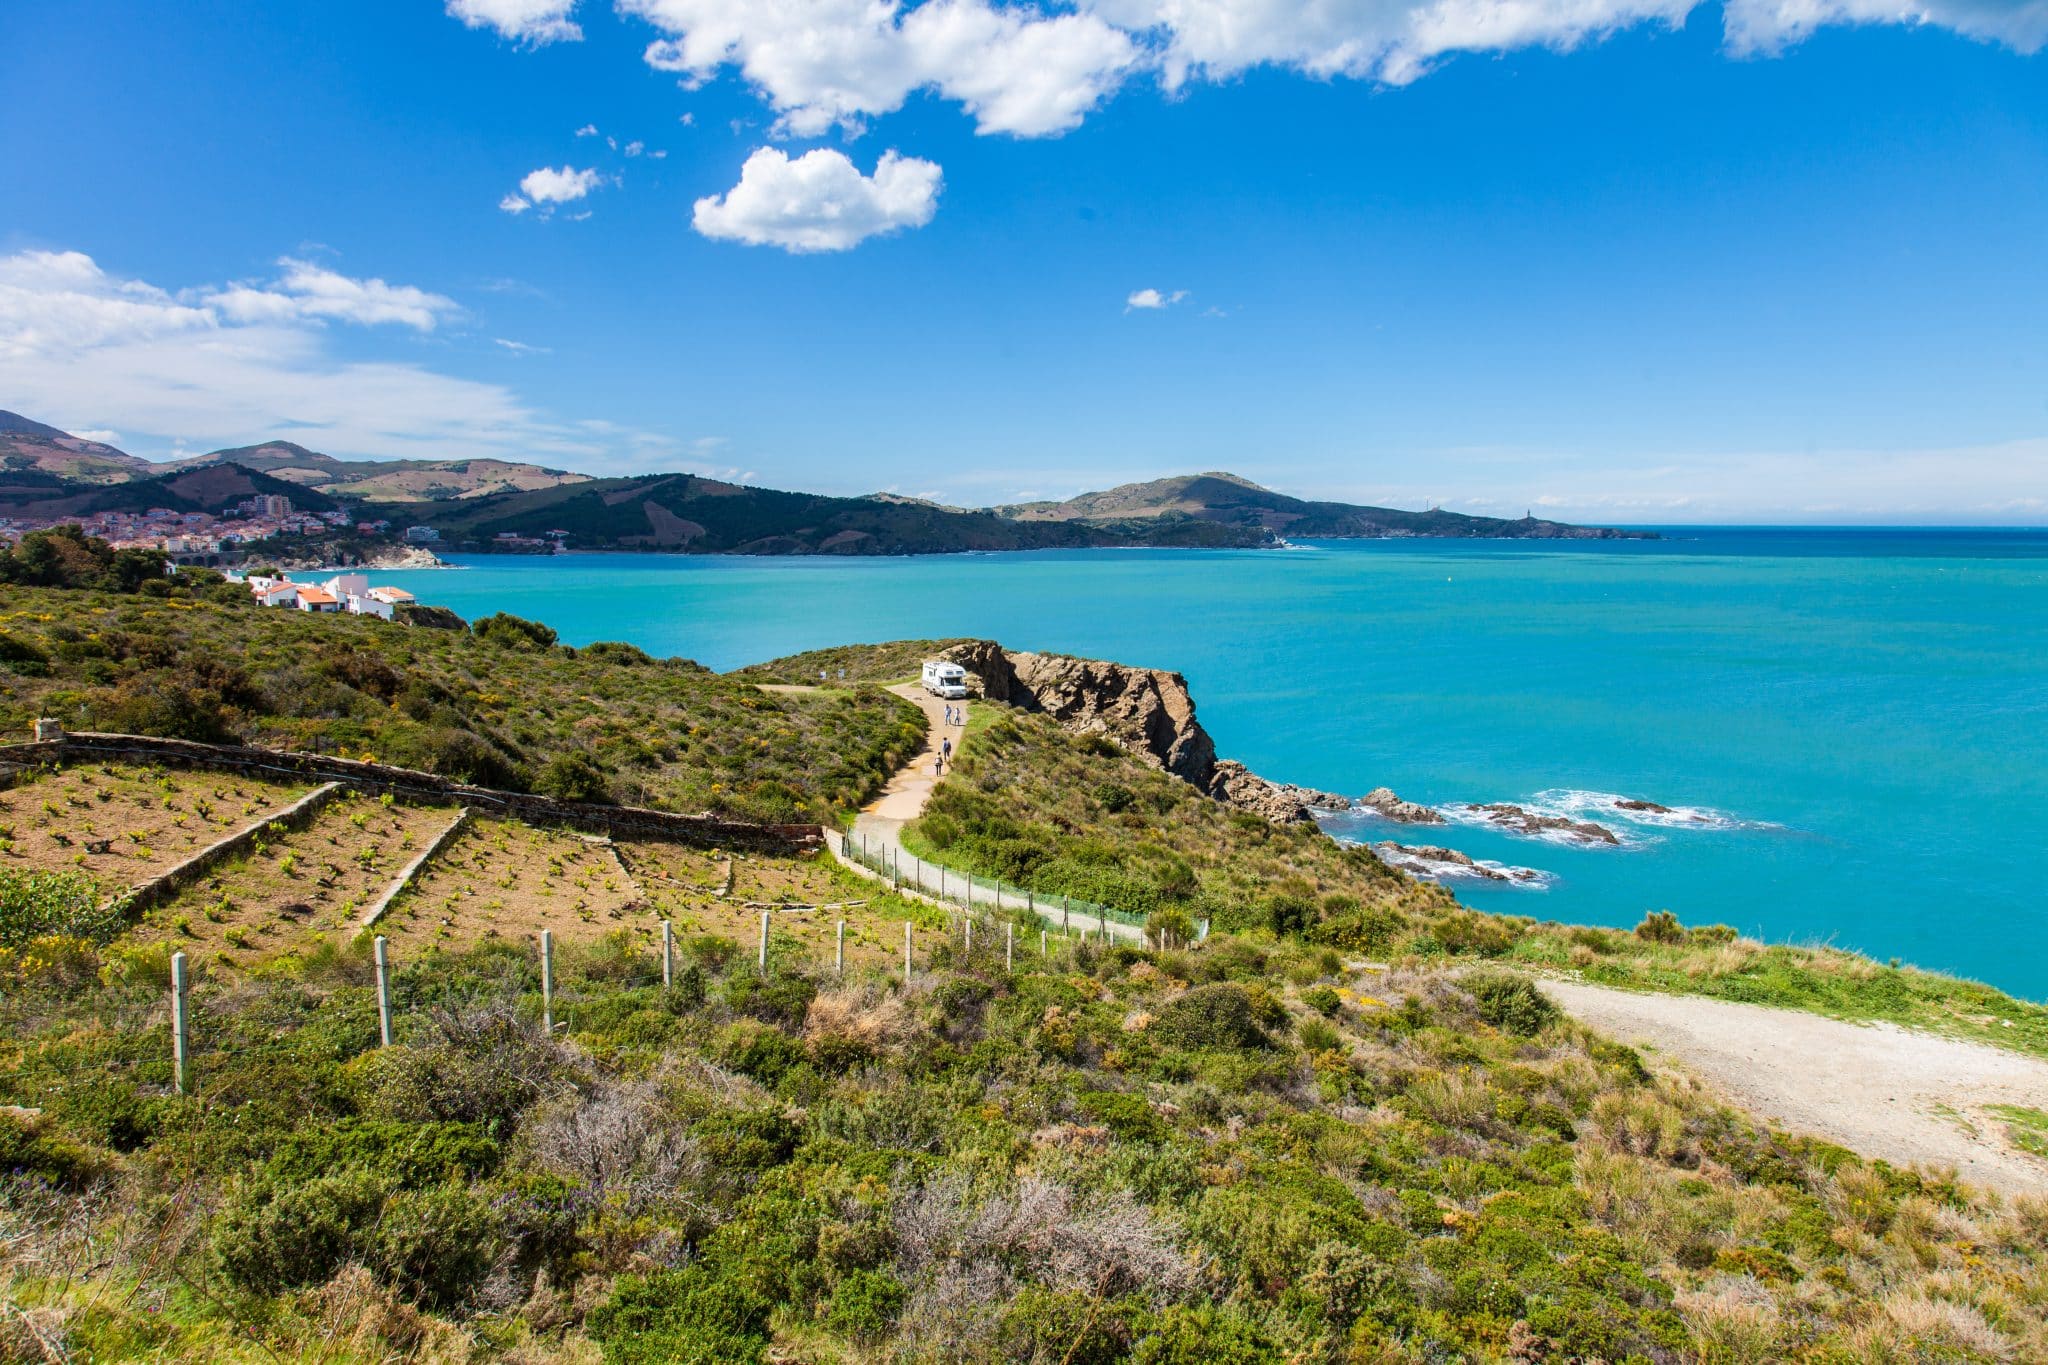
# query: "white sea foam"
[[1466, 813], [1447, 870], [1607, 806]]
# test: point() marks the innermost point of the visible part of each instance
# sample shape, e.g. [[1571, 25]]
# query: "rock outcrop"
[[1428, 860], [1147, 711], [1382, 801], [1518, 820]]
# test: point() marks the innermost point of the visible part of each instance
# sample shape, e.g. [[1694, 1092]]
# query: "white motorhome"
[[942, 679]]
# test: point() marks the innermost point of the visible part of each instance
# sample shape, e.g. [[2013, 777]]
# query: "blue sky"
[[1610, 259]]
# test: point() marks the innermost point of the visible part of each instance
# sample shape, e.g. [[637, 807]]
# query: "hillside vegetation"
[[500, 704], [1241, 1153], [1067, 814]]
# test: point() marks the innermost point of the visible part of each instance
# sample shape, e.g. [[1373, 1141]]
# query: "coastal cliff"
[[1147, 711]]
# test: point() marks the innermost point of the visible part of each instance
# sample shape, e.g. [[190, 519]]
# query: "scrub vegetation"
[[1343, 1129], [1064, 814], [1239, 1152], [502, 705]]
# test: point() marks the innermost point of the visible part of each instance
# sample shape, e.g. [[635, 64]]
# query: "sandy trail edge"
[[1877, 1089]]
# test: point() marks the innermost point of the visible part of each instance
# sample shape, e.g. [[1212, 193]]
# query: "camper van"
[[946, 680]]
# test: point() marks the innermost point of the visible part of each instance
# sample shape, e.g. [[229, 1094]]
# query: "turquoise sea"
[[1854, 723]]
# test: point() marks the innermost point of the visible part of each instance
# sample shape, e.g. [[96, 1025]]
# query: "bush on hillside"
[[514, 632], [1221, 1014], [35, 905], [1511, 1003]]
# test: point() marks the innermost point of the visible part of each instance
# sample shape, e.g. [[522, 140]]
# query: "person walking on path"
[[946, 748]]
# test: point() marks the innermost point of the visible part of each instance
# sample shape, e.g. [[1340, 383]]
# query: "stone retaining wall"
[[411, 784]]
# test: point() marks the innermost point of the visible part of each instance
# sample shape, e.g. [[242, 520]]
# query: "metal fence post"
[[764, 943], [668, 954], [839, 950], [970, 933], [1009, 947], [906, 952], [181, 1026], [547, 981], [1041, 943], [383, 955]]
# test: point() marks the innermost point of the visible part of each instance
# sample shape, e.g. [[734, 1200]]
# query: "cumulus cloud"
[[550, 188], [222, 365], [309, 291], [1147, 299], [1031, 72], [533, 22], [819, 201], [827, 62]]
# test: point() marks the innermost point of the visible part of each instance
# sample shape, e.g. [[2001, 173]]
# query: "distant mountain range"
[[26, 444], [1229, 500], [47, 473]]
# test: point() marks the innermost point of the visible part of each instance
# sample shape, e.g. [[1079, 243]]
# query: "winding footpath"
[[1904, 1096], [878, 830]]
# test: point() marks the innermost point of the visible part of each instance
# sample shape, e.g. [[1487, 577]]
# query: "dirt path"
[[878, 830], [1883, 1091]]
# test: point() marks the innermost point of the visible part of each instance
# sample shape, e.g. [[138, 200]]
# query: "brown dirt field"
[[315, 880], [499, 878], [153, 818]]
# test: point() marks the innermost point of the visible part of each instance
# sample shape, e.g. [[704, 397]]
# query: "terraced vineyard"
[[317, 879], [125, 825], [499, 878]]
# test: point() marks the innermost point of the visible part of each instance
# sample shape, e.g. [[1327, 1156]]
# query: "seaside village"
[[349, 592], [188, 535]]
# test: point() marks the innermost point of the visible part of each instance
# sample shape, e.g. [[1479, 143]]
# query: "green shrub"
[[436, 1245], [572, 777], [275, 1234], [37, 905], [1221, 1014], [507, 631], [1510, 1003], [28, 1146], [1128, 1116], [693, 1316], [1660, 926], [864, 1304], [1324, 1000]]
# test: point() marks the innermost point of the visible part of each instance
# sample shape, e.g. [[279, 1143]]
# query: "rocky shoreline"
[[1436, 863]]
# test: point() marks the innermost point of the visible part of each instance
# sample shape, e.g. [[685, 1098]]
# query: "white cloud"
[[87, 349], [587, 130], [1036, 72], [635, 147], [549, 188], [1148, 299], [828, 62], [533, 22], [309, 291], [566, 185], [819, 201], [520, 347]]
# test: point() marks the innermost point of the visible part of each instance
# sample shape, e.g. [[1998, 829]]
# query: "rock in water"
[[1392, 807], [1514, 818], [1646, 807]]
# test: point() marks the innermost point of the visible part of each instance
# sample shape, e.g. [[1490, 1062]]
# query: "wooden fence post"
[[181, 1027], [668, 954], [547, 982], [382, 952], [839, 950], [1009, 947], [1041, 943], [763, 955], [906, 952]]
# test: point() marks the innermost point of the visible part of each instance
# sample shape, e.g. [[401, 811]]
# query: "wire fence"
[[183, 1036], [969, 891]]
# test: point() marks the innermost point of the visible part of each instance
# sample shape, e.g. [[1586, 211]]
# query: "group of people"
[[954, 716]]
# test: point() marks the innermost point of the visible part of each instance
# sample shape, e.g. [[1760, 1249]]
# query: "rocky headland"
[[1147, 711]]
